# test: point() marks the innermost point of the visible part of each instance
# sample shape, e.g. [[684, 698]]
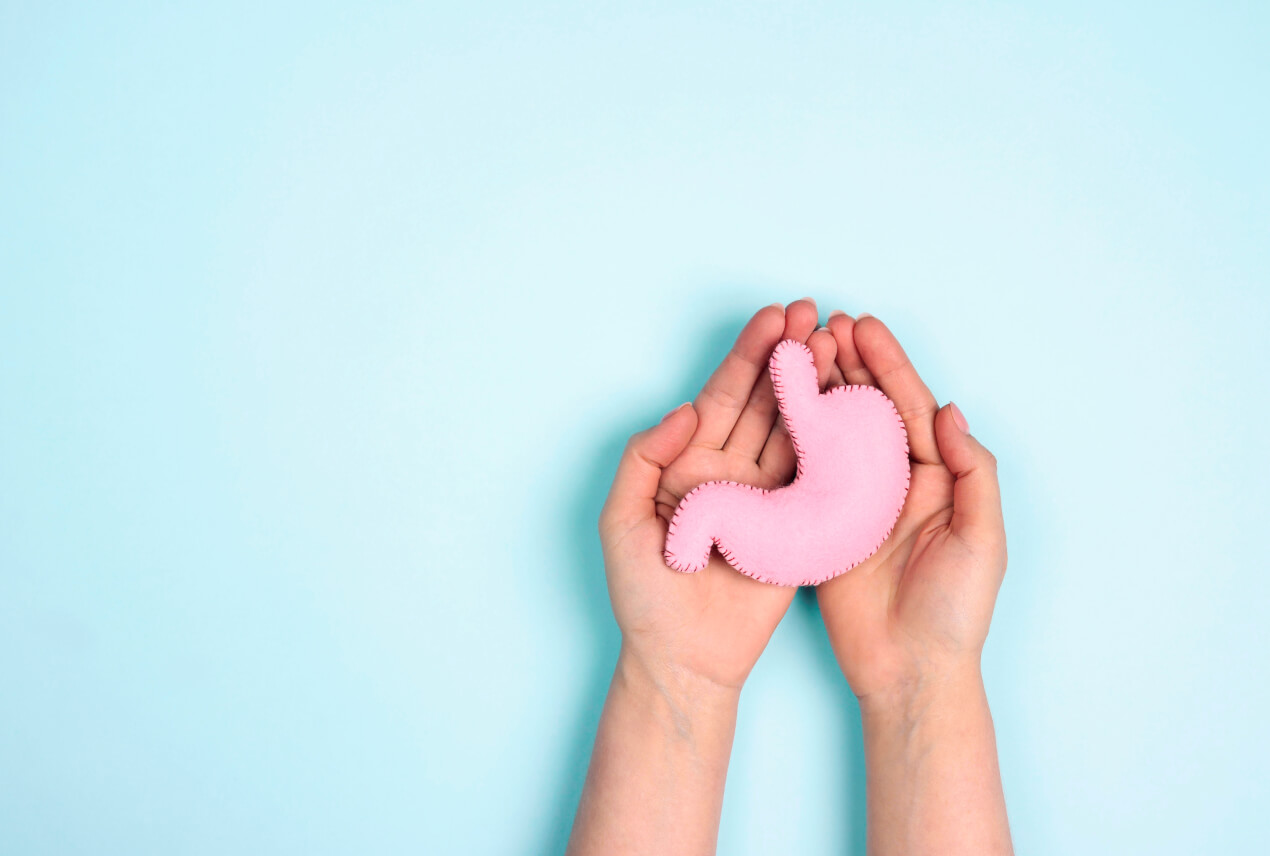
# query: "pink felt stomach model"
[[852, 478]]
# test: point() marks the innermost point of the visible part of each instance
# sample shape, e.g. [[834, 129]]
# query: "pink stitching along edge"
[[853, 476]]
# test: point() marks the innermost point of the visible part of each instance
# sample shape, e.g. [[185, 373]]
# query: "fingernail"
[[673, 412], [776, 306], [863, 315], [958, 418], [836, 312]]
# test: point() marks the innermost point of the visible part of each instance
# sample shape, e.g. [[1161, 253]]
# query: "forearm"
[[655, 784], [934, 784]]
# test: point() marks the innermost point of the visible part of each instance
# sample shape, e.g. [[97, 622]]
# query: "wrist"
[[682, 698], [657, 774], [942, 691], [933, 780]]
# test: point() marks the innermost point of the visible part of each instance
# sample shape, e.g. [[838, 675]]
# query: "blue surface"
[[321, 328]]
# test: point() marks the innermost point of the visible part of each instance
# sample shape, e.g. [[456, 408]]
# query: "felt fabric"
[[852, 479]]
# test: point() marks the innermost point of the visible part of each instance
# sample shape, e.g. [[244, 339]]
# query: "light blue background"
[[322, 326]]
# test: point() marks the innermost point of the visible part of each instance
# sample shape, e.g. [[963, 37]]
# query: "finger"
[[755, 422], [631, 498], [823, 350], [801, 318], [835, 374], [850, 365], [976, 493], [726, 393], [896, 377], [778, 458]]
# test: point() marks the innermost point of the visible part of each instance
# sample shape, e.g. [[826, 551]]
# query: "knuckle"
[[633, 444], [723, 398], [921, 413]]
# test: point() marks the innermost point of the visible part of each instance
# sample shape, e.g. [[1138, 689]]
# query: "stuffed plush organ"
[[853, 475]]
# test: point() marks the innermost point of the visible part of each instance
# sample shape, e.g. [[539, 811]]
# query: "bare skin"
[[655, 784], [908, 626]]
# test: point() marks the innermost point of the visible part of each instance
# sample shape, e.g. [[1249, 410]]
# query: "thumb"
[[976, 492], [630, 499]]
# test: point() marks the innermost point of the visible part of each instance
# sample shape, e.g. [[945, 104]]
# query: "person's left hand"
[[713, 624]]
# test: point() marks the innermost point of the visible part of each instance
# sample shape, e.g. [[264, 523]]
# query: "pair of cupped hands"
[[916, 613]]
